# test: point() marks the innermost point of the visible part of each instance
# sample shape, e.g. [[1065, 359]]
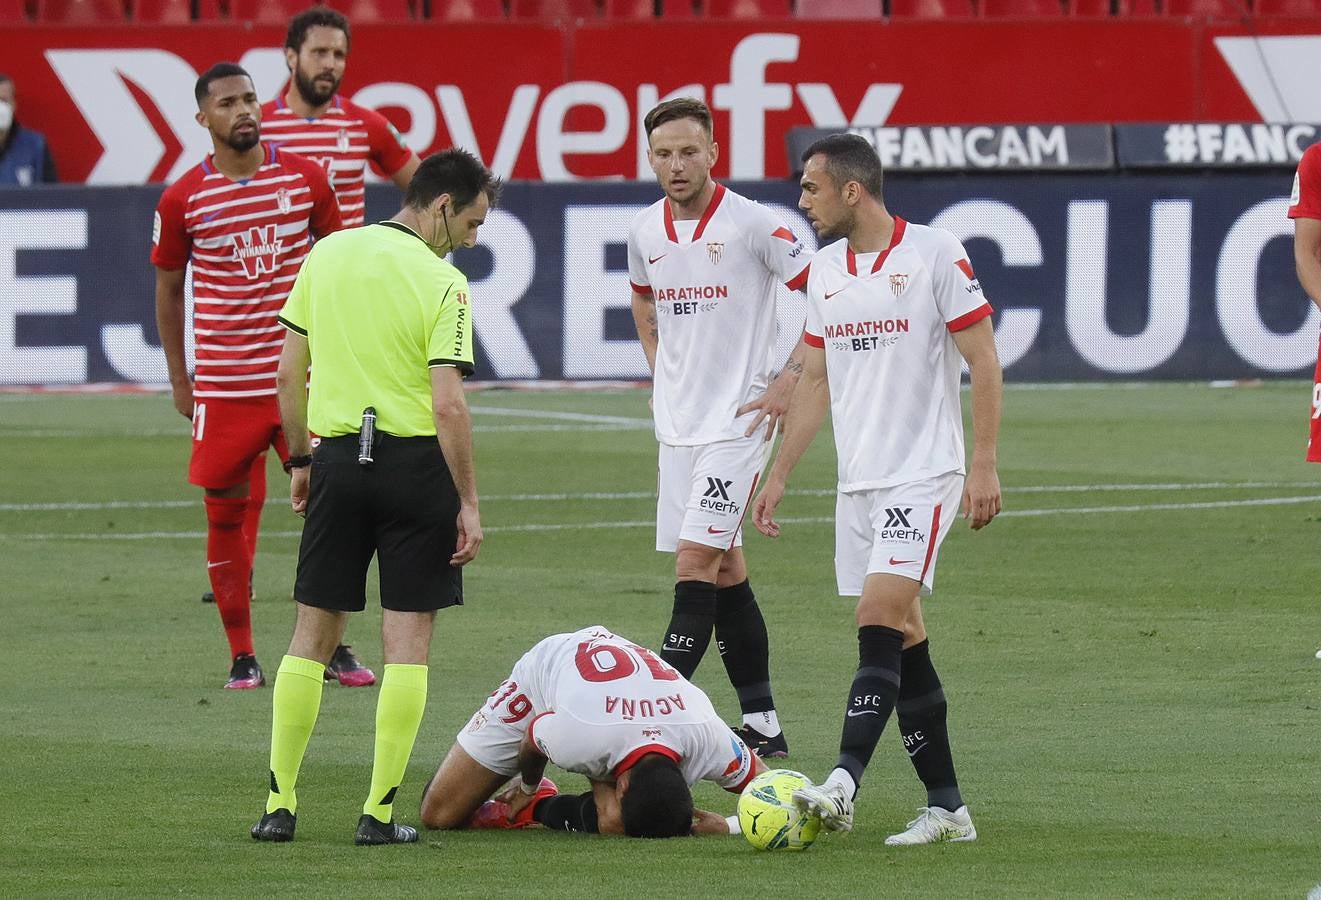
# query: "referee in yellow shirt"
[[384, 321]]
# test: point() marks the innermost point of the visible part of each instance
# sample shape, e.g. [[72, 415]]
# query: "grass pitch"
[[1128, 653]]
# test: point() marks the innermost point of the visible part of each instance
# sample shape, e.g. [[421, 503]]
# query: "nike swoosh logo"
[[833, 293], [212, 565], [655, 259], [711, 529], [914, 751], [209, 216], [901, 562], [854, 713]]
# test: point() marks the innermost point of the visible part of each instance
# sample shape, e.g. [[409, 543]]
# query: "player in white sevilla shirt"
[[598, 704], [892, 307], [705, 264]]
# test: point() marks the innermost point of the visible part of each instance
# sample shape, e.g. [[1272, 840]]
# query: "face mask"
[[6, 116]]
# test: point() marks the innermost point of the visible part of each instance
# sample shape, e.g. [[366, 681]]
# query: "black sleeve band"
[[568, 813], [291, 326], [465, 368]]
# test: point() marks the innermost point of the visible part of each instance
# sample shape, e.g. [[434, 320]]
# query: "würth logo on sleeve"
[[715, 250], [256, 249], [898, 284]]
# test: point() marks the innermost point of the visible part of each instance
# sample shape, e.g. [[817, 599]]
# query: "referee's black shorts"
[[403, 508]]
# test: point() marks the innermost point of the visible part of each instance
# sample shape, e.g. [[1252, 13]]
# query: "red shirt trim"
[[971, 318], [900, 226], [643, 289], [535, 719], [739, 788], [631, 760], [799, 281], [813, 340], [701, 223]]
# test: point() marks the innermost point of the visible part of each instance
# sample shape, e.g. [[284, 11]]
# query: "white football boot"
[[829, 802], [934, 825]]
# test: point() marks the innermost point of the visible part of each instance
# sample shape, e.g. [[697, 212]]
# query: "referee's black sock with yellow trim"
[[399, 709], [871, 697], [691, 624], [745, 650], [922, 711]]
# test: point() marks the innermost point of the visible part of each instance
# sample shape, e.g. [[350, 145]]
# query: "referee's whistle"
[[367, 436]]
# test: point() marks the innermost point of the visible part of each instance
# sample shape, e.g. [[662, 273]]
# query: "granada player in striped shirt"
[[312, 120], [245, 217]]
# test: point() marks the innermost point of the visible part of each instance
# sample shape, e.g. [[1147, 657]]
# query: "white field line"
[[584, 422], [648, 523], [273, 500]]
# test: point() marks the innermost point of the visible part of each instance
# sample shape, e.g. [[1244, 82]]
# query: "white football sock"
[[844, 780], [766, 723]]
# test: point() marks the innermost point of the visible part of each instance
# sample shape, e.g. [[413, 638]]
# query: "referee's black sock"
[[922, 710], [691, 622], [744, 647], [871, 698], [568, 812]]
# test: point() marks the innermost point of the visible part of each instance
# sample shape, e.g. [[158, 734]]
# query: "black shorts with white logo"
[[403, 509]]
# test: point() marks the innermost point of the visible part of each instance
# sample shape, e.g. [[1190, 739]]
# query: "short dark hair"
[[849, 157], [5, 79], [657, 803], [215, 73], [679, 108], [455, 172], [308, 19]]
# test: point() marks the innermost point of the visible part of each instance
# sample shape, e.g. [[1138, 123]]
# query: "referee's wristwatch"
[[297, 462]]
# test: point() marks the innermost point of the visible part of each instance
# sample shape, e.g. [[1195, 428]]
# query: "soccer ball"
[[768, 816]]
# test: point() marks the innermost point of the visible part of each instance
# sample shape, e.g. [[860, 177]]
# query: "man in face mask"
[[24, 154]]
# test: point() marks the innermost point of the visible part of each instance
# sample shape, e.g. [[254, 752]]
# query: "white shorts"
[[895, 530], [704, 491], [494, 733]]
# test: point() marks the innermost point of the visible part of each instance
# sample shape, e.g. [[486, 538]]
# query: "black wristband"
[[297, 462]]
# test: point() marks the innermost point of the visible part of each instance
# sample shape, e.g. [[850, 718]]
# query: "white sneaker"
[[829, 802], [934, 825]]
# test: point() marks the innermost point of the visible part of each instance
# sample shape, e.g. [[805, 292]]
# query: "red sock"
[[256, 500], [229, 567]]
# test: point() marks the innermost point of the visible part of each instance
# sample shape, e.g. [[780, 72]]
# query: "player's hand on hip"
[[770, 408], [981, 497], [763, 511], [183, 397], [299, 480], [470, 537]]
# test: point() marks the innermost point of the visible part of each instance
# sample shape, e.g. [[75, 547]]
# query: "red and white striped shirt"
[[247, 240], [341, 141]]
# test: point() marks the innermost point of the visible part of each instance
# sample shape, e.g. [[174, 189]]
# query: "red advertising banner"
[[544, 103]]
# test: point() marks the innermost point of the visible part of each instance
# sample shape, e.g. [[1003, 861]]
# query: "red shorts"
[[1314, 436], [228, 435]]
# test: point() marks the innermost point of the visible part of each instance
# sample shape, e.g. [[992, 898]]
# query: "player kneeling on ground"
[[596, 704]]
